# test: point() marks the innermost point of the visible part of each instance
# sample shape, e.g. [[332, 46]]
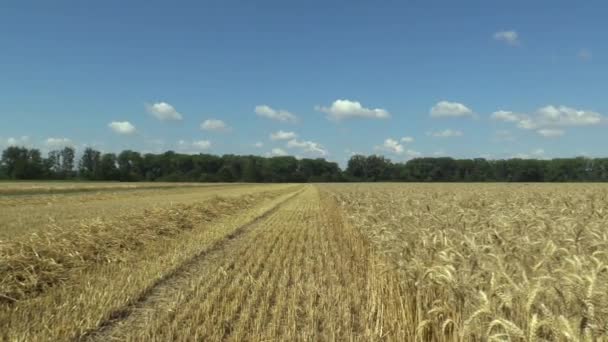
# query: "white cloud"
[[122, 127], [278, 152], [537, 153], [392, 146], [585, 55], [566, 116], [412, 153], [214, 125], [58, 142], [282, 135], [346, 109], [193, 147], [447, 133], [549, 121], [279, 115], [407, 140], [308, 146], [550, 132], [508, 36], [20, 141], [506, 116], [444, 109], [201, 144], [259, 144], [163, 111]]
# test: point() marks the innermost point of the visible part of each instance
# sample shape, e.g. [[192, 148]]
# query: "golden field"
[[323, 262]]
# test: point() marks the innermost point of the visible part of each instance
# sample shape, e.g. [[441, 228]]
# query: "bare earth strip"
[[297, 274]]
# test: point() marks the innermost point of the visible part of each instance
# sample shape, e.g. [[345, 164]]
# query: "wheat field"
[[322, 262]]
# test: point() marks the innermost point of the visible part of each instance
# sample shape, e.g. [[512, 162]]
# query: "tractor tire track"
[[174, 281]]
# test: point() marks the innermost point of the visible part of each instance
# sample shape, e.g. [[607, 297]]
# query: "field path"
[[297, 273]]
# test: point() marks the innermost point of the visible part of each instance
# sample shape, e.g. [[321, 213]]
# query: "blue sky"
[[400, 78]]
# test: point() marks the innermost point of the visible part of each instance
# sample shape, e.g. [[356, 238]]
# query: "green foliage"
[[24, 163]]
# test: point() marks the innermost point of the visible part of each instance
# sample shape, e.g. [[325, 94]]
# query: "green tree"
[[89, 166]]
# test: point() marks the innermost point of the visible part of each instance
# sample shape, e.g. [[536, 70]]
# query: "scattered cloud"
[[259, 144], [343, 109], [308, 146], [407, 140], [585, 55], [278, 152], [19, 141], [506, 116], [202, 144], [550, 132], [508, 36], [566, 116], [282, 135], [163, 111], [193, 147], [214, 125], [447, 133], [58, 142], [279, 115], [122, 127], [412, 154], [446, 109], [537, 153], [549, 121], [392, 145]]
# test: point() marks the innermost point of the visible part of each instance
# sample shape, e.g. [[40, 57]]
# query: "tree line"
[[131, 166]]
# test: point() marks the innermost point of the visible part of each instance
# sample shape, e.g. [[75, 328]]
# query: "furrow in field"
[[173, 284], [297, 274]]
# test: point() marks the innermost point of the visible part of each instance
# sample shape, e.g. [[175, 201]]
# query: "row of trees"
[[377, 168], [24, 163]]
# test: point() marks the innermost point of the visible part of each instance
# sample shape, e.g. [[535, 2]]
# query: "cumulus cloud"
[[259, 144], [508, 36], [282, 135], [58, 142], [550, 120], [122, 127], [537, 153], [566, 116], [506, 116], [393, 146], [550, 132], [446, 109], [214, 125], [447, 133], [308, 146], [193, 147], [278, 152], [163, 111], [346, 109], [19, 141], [201, 144], [274, 114], [412, 154]]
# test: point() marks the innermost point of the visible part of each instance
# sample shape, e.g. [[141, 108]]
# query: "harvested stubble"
[[25, 214], [63, 282], [487, 262]]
